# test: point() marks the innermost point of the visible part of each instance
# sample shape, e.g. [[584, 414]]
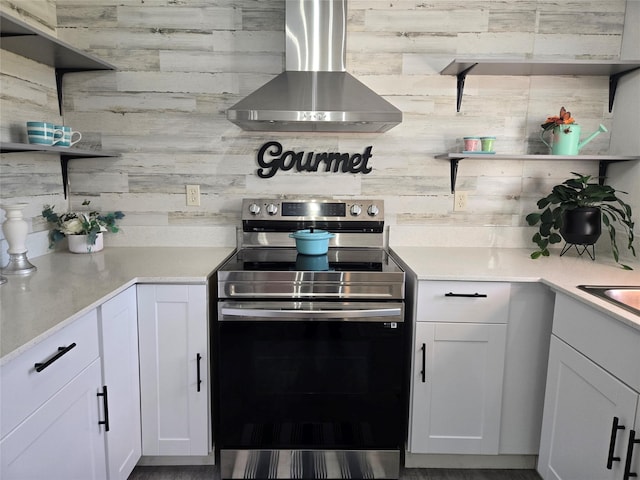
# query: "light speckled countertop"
[[68, 285], [562, 274]]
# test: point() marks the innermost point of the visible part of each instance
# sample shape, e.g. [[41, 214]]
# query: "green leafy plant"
[[574, 193], [88, 223]]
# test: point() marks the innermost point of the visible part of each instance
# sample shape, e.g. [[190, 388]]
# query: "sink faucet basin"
[[625, 297]]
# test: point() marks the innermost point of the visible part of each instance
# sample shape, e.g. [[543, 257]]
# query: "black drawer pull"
[[61, 351], [423, 372], [612, 443], [198, 358], [470, 295], [105, 403], [627, 466]]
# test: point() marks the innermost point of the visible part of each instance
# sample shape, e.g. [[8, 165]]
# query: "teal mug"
[[44, 133]]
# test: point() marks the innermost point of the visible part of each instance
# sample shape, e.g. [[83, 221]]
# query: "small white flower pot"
[[79, 244]]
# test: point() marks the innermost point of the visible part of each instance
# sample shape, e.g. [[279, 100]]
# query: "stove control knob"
[[272, 209], [355, 210], [373, 210], [254, 209]]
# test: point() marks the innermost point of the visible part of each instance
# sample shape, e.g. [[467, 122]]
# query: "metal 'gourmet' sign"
[[271, 159]]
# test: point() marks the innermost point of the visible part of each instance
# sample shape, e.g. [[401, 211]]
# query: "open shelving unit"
[[604, 161], [24, 40], [614, 69], [65, 154]]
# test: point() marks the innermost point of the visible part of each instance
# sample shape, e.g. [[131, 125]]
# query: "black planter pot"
[[581, 226]]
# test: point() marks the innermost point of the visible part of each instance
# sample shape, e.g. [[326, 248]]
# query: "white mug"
[[67, 136]]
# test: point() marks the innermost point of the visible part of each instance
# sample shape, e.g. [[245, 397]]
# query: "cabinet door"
[[62, 439], [633, 451], [525, 368], [581, 402], [174, 386], [119, 344], [456, 402]]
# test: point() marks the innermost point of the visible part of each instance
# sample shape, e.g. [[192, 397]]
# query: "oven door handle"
[[369, 315]]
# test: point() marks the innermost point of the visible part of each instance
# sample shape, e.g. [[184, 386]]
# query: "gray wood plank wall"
[[182, 63]]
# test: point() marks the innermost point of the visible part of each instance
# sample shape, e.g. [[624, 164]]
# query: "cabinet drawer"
[[605, 340], [23, 389], [467, 302]]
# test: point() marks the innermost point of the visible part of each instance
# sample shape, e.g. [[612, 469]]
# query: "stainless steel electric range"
[[309, 351]]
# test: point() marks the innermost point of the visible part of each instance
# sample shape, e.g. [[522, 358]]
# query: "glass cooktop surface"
[[288, 259]]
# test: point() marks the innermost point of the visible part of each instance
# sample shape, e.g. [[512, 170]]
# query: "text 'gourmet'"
[[271, 158]]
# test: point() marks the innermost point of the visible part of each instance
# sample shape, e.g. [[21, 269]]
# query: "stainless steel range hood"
[[315, 93]]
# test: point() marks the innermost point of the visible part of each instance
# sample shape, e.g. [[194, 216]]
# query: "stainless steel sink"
[[625, 297]]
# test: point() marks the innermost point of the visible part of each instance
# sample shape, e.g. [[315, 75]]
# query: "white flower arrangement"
[[88, 223]]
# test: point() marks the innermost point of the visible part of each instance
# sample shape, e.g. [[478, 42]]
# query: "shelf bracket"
[[454, 173], [60, 72], [613, 85], [602, 169], [64, 165], [461, 77]]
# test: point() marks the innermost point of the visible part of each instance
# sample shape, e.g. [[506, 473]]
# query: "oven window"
[[288, 384]]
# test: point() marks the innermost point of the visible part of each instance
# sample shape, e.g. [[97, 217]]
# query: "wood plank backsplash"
[[181, 64]]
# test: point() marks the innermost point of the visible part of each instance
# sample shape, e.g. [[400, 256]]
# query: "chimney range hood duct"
[[315, 93]]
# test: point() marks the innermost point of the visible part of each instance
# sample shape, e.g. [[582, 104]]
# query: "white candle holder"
[[15, 230]]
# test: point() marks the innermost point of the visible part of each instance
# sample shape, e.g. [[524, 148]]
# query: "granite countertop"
[[68, 285], [562, 274]]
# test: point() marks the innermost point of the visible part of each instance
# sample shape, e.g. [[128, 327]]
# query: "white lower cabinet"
[[457, 367], [457, 388], [62, 439], [583, 401], [174, 379], [586, 397], [51, 422], [118, 326]]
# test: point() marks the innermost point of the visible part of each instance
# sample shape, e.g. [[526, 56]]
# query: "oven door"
[[310, 375]]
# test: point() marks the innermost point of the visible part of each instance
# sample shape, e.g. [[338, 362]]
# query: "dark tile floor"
[[209, 472]]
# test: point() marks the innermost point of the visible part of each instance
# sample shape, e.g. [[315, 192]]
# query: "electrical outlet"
[[193, 195], [459, 201]]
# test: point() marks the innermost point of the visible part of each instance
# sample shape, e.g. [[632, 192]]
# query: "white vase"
[[80, 243], [15, 229]]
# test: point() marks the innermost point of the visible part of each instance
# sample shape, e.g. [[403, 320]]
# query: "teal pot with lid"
[[312, 241]]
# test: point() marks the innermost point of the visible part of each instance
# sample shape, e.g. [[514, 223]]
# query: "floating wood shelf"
[[604, 161], [65, 155], [24, 40], [614, 69]]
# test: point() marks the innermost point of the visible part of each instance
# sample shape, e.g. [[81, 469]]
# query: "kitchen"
[[180, 66]]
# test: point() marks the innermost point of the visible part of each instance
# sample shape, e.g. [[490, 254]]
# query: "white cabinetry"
[[525, 368], [118, 323], [457, 367], [592, 386], [50, 418], [174, 381]]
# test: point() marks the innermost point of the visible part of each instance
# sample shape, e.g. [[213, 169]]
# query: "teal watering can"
[[565, 139]]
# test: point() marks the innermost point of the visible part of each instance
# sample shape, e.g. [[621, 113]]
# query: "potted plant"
[[83, 229], [576, 209]]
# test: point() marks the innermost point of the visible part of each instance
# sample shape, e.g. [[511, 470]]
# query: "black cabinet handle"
[[612, 443], [61, 351], [471, 295], [627, 466], [423, 372], [198, 358], [105, 403]]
